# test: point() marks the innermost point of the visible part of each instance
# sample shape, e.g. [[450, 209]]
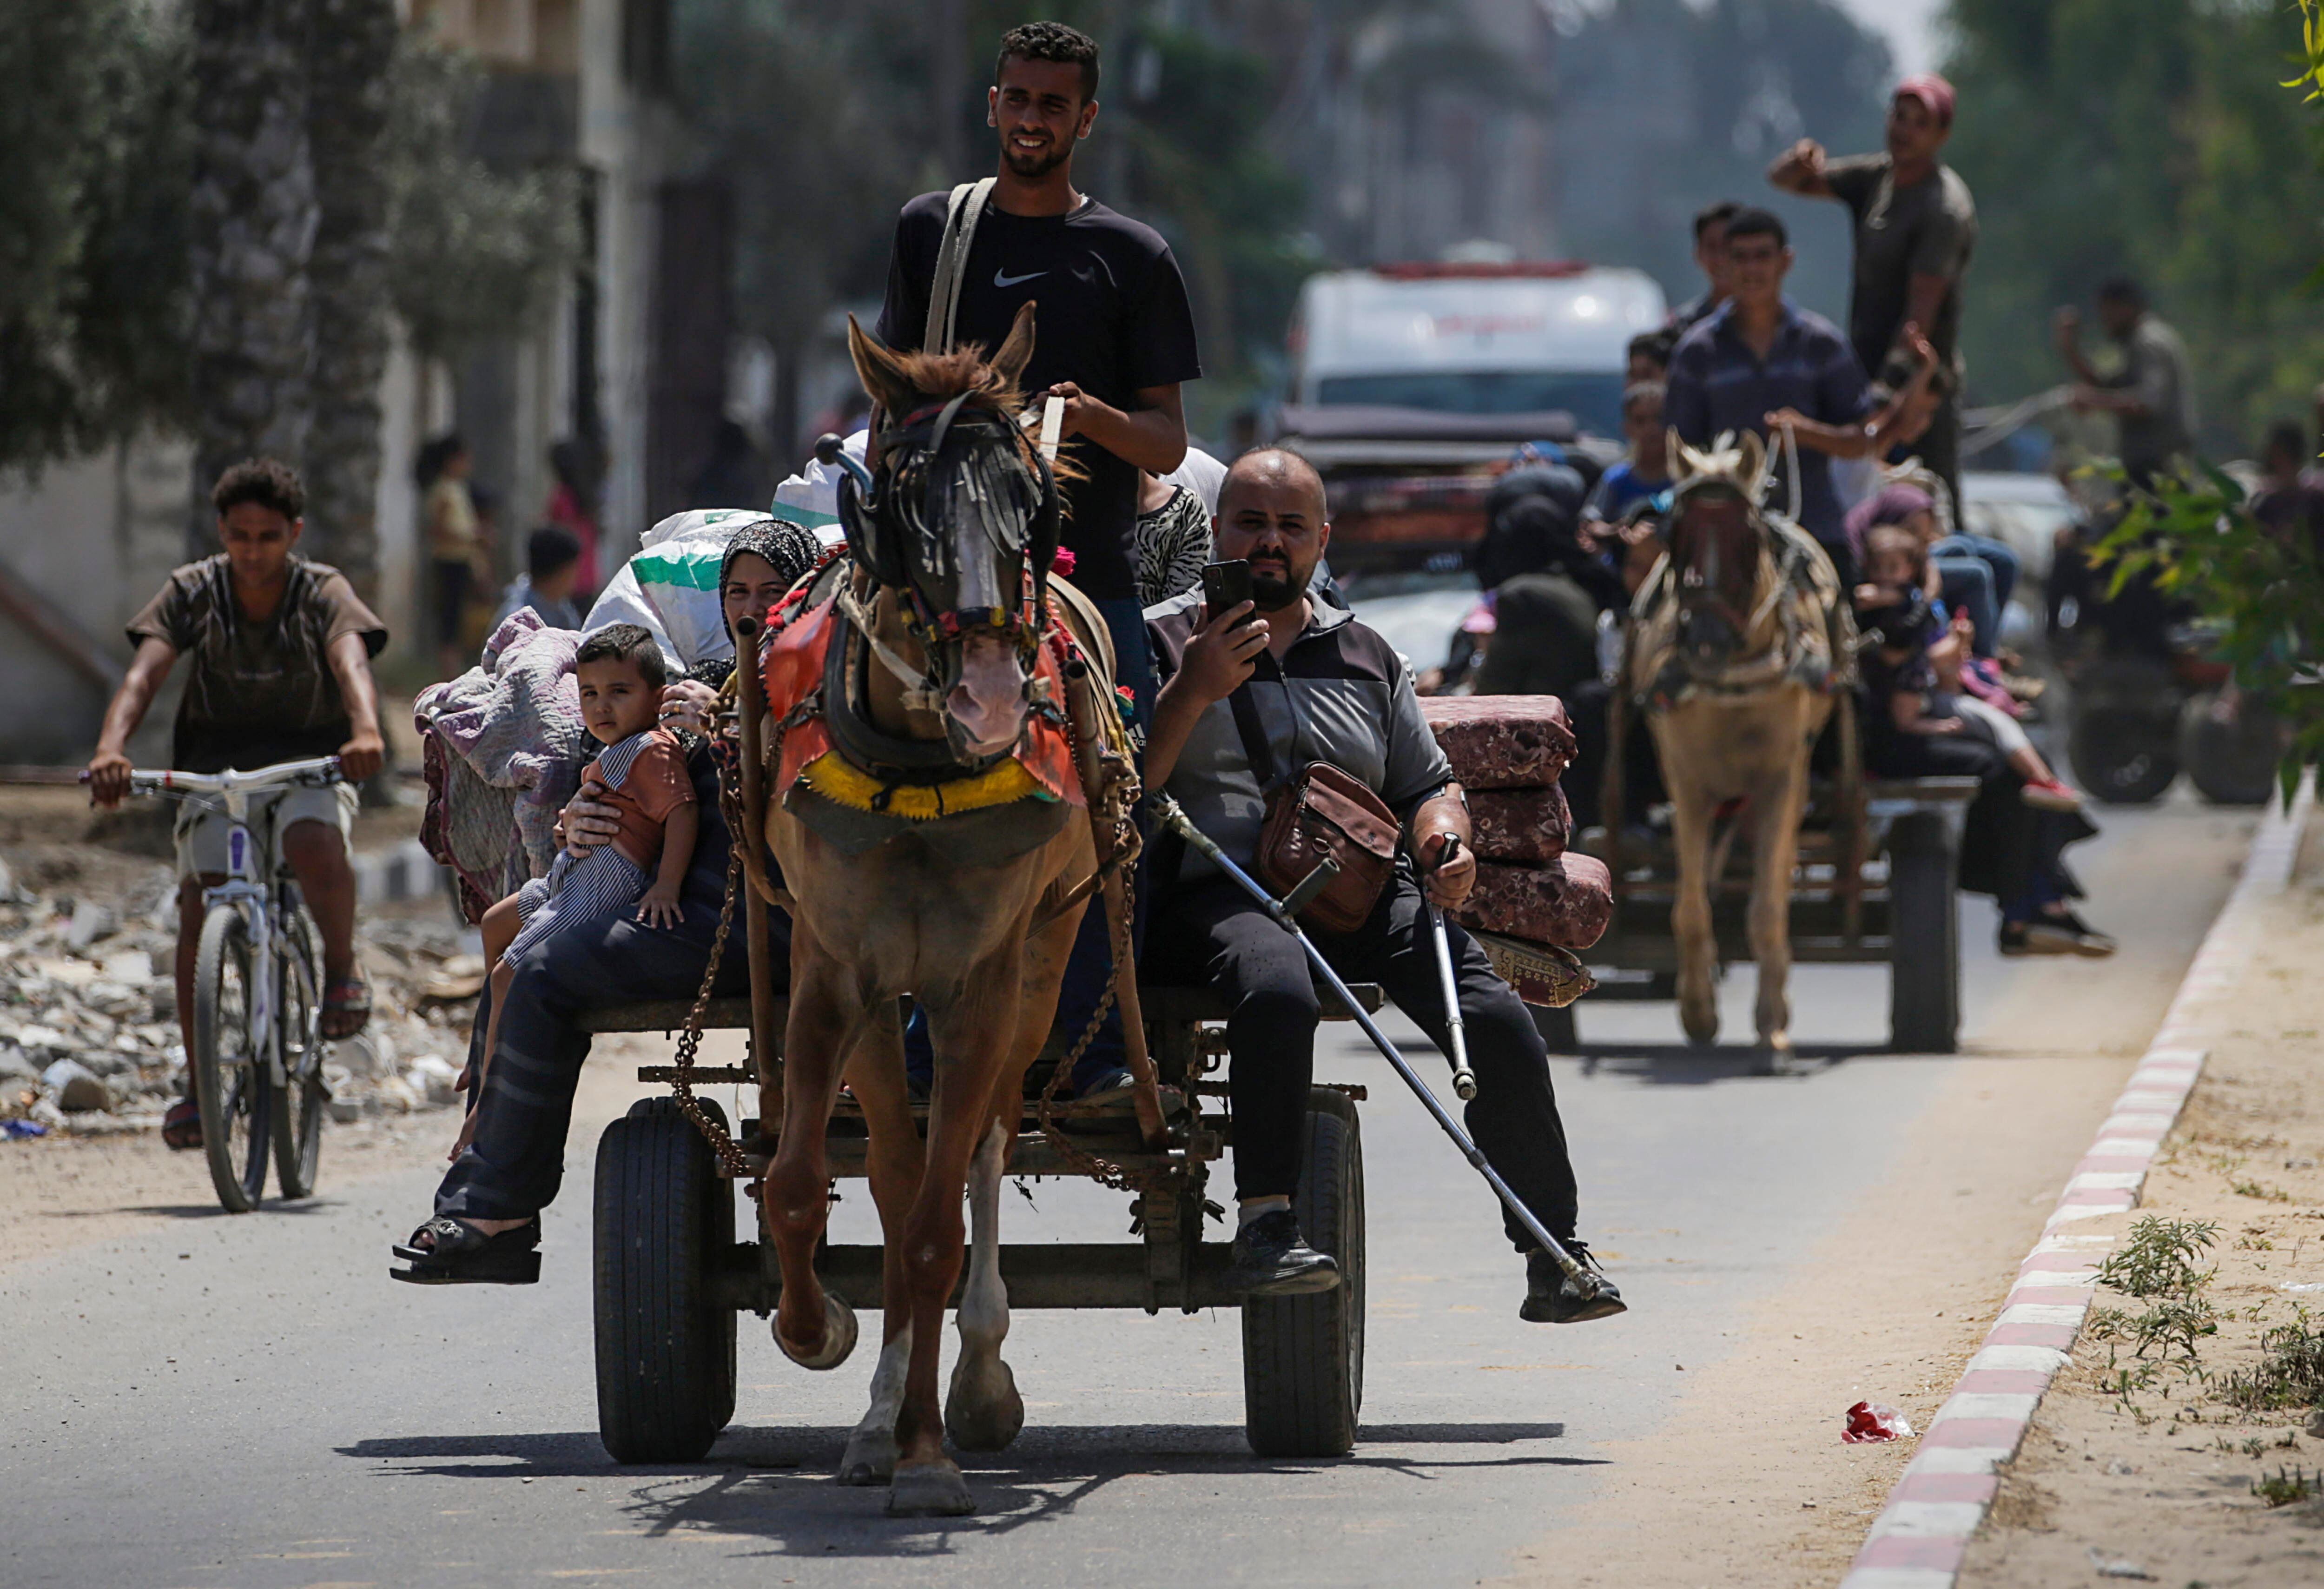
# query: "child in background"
[[1909, 658], [642, 774], [1645, 471], [550, 583]]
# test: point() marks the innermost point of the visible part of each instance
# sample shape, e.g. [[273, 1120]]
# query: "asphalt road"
[[249, 1402]]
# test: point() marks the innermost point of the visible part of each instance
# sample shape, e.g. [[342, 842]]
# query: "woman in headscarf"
[[765, 559]]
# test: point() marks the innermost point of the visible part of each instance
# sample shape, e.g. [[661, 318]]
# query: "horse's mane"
[[940, 376]]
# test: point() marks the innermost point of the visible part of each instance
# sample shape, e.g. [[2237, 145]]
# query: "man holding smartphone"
[[1325, 686]]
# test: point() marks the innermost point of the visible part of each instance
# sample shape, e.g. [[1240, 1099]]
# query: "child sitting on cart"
[[642, 775], [1914, 648]]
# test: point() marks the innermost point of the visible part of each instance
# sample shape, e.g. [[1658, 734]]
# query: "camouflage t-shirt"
[[257, 692]]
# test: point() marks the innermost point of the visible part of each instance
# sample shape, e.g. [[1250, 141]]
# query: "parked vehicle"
[[1413, 384]]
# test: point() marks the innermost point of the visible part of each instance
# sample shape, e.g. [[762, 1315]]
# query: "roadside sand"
[[1747, 1482], [2168, 1488]]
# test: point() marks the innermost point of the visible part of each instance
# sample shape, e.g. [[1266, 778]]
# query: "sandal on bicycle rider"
[[448, 1251], [347, 1007], [181, 1127]]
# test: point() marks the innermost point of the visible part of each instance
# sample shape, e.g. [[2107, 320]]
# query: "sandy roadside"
[[2162, 1483], [1747, 1482], [63, 1192]]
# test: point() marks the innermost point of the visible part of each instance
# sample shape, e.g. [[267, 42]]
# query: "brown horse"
[[949, 548], [1736, 643]]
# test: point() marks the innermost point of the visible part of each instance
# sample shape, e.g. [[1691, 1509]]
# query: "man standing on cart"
[[281, 650], [1323, 686], [1113, 337]]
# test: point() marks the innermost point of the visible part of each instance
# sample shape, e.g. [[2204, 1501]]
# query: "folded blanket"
[[1501, 741], [511, 723], [1567, 903], [1528, 825]]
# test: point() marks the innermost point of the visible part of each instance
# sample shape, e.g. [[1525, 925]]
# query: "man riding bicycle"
[[281, 652]]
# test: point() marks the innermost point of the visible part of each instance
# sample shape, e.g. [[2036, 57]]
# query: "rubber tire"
[[1303, 1357], [299, 1109], [2095, 745], [1923, 936], [1557, 1029], [2230, 764], [240, 1186], [665, 1351]]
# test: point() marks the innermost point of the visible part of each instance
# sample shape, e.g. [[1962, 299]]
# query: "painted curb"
[[404, 872], [1940, 1502]]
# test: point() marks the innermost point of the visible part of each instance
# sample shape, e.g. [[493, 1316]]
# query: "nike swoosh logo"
[[1003, 278]]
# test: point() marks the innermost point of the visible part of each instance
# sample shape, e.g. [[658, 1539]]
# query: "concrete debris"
[[89, 1041], [90, 923], [76, 1089]]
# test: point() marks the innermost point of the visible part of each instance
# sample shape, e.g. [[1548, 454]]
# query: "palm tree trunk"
[[350, 44], [252, 229]]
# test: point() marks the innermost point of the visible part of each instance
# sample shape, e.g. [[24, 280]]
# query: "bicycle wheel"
[[299, 1033], [231, 1080]]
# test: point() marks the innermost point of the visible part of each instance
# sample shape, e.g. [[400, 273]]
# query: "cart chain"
[[1119, 801]]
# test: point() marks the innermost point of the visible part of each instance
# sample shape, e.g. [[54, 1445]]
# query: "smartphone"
[[1225, 586]]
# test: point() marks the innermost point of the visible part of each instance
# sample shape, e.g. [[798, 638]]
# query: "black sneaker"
[[1555, 1297], [1270, 1260], [2078, 935]]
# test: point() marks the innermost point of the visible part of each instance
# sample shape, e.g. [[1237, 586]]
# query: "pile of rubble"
[[90, 1040]]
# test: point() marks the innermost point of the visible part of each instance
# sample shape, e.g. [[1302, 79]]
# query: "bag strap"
[[1256, 745], [965, 208]]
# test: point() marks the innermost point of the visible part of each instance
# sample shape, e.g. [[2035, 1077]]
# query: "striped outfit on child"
[[645, 780]]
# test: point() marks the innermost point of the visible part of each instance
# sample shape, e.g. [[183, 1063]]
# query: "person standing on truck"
[[1710, 257], [1916, 228], [1760, 356]]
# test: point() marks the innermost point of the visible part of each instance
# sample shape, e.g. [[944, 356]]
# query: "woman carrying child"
[[2014, 841]]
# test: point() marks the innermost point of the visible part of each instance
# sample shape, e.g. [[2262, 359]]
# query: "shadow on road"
[[1683, 1065], [197, 1210], [775, 1484]]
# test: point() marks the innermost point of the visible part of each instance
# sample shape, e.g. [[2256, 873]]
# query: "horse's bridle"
[[900, 525]]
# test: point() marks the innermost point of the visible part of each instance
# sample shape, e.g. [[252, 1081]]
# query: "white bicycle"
[[258, 1047]]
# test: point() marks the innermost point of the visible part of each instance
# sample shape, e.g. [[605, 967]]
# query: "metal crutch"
[[1464, 1080], [1285, 912]]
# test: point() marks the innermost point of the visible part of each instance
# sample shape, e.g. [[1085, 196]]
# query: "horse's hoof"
[[1701, 1024], [870, 1458], [838, 1336], [983, 1412], [929, 1490]]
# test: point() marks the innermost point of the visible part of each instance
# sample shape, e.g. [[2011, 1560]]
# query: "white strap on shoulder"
[[962, 213]]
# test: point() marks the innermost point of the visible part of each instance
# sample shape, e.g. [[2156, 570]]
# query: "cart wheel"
[[2124, 757], [665, 1348], [2233, 764], [1303, 1357], [1557, 1029], [1923, 936]]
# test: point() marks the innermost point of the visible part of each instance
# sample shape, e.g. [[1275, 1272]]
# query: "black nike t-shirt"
[[1111, 316]]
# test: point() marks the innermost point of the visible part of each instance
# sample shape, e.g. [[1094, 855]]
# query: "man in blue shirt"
[[1759, 356]]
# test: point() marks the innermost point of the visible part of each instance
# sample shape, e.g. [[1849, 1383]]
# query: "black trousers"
[[1212, 932]]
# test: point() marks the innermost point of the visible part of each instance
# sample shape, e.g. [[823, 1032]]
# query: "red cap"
[[1932, 91]]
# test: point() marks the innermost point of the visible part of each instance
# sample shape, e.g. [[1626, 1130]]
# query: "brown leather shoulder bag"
[[1320, 811]]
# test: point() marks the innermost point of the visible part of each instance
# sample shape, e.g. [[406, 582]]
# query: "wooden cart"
[[671, 1275], [1875, 885]]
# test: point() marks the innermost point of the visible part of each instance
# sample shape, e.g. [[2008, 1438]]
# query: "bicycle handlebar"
[[319, 773]]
